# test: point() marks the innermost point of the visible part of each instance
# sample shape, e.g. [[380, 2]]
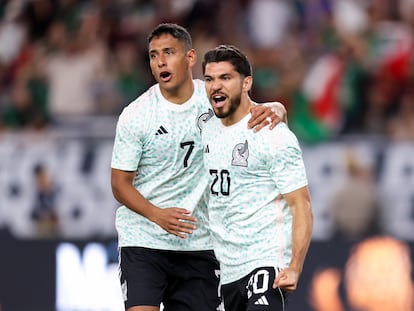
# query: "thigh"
[[142, 276], [194, 283], [261, 294]]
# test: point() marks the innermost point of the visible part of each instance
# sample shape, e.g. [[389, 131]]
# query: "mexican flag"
[[393, 50], [317, 112]]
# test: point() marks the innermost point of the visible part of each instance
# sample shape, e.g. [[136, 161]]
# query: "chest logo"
[[203, 118], [161, 131], [240, 154]]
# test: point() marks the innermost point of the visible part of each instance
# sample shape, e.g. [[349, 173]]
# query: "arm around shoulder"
[[279, 109]]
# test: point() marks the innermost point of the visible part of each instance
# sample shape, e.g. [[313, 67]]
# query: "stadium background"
[[343, 68]]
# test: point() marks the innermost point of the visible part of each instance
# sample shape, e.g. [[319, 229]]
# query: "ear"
[[192, 57], [247, 83]]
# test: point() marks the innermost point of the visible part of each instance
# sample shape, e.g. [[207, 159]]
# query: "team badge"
[[240, 154], [203, 118]]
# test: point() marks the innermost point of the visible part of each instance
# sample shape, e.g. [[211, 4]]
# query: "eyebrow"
[[223, 75], [163, 50]]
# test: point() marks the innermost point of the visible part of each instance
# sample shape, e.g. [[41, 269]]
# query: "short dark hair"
[[176, 31], [231, 54]]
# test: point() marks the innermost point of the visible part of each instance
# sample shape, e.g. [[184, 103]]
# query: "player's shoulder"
[[200, 91], [199, 83], [210, 123], [280, 135], [137, 108]]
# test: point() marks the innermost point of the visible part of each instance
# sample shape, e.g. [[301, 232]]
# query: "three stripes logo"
[[262, 301], [161, 131]]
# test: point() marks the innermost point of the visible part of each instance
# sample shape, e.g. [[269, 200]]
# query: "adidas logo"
[[262, 301], [161, 131], [206, 149], [124, 290], [220, 307]]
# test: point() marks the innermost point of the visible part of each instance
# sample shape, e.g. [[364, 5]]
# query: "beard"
[[224, 113]]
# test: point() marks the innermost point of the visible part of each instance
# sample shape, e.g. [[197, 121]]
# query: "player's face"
[[224, 86], [170, 63]]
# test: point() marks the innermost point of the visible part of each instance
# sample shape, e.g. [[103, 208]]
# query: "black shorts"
[[255, 292], [181, 280]]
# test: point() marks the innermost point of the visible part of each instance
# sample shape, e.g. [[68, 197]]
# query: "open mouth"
[[219, 100], [165, 76]]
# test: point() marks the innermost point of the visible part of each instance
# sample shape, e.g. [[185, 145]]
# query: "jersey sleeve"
[[285, 160], [127, 147]]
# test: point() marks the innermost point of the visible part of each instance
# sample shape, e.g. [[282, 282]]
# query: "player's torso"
[[171, 157], [235, 158], [243, 208], [170, 171]]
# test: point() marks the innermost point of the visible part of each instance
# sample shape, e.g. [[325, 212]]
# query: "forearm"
[[174, 220], [132, 199], [301, 235], [300, 205], [125, 193]]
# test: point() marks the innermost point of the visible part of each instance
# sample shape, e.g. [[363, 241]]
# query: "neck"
[[179, 94], [244, 109]]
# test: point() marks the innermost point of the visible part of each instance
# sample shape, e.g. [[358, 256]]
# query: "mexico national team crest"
[[240, 154], [203, 118]]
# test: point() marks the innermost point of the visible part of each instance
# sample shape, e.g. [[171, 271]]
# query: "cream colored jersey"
[[161, 141], [251, 225]]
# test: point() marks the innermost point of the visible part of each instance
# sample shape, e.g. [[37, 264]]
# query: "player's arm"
[[299, 202], [170, 219], [262, 114]]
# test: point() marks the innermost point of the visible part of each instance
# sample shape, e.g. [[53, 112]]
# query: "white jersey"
[[162, 142], [251, 225]]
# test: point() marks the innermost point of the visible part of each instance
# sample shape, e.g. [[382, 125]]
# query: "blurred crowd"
[[341, 67]]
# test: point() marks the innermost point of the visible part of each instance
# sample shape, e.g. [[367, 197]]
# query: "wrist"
[[153, 213]]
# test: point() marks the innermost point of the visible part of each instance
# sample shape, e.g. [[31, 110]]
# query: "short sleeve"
[[127, 148]]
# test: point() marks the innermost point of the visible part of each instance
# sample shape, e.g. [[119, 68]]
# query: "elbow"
[[121, 184], [115, 190], [116, 186], [310, 216]]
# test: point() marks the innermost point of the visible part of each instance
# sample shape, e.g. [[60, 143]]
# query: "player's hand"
[[286, 279], [265, 114], [177, 221]]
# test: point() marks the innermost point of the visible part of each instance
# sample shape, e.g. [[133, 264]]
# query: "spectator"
[[401, 126], [22, 112], [74, 71], [130, 76], [354, 206], [44, 209]]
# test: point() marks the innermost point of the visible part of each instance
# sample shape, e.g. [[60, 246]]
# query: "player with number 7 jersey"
[[165, 137]]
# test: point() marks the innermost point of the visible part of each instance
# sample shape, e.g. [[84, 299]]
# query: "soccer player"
[[259, 204], [157, 175]]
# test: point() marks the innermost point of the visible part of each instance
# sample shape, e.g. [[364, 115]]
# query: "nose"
[[215, 85], [161, 61]]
